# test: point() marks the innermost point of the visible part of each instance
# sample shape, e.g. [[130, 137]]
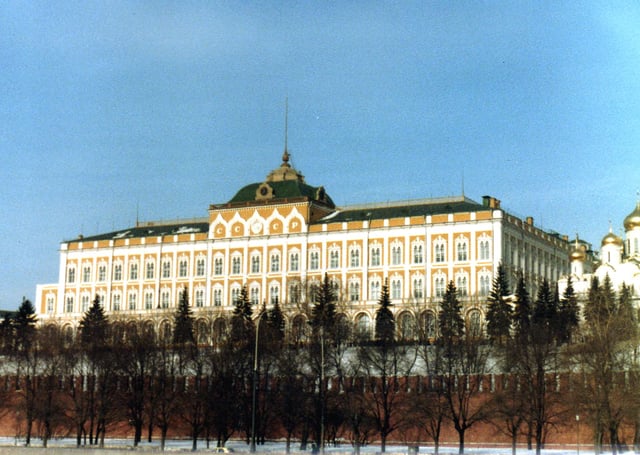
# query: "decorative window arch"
[[183, 267], [462, 284], [217, 295], [254, 294], [374, 286], [133, 270], [116, 301], [396, 253], [69, 303], [375, 255], [218, 264], [294, 292], [484, 282], [484, 248], [132, 300], [354, 290], [150, 268], [418, 251], [418, 286], [166, 267], [429, 324], [71, 274], [334, 257], [148, 299], [474, 322], [274, 293], [51, 302], [314, 258], [165, 298], [255, 262], [354, 256], [439, 284], [117, 270], [396, 287], [235, 293], [102, 271], [202, 331], [236, 264], [294, 260], [440, 250], [363, 326], [198, 296], [406, 326], [85, 301], [274, 261], [201, 265], [86, 272], [462, 249]]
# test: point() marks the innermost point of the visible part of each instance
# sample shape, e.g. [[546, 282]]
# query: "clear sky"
[[109, 110]]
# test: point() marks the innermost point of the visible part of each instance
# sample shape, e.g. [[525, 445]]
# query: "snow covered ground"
[[279, 448]]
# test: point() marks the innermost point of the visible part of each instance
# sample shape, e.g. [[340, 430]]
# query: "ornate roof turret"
[[284, 182]]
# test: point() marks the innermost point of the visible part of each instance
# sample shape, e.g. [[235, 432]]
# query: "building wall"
[[276, 252]]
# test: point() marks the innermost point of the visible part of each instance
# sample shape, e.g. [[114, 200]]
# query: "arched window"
[[354, 291], [396, 288], [462, 249], [275, 262], [314, 260], [254, 294], [440, 250], [299, 330], [462, 284], [474, 322], [418, 253], [406, 326], [199, 297], [334, 258], [218, 265], [375, 289], [354, 255], [439, 284], [294, 261], [396, 253], [375, 256], [429, 325], [255, 263], [363, 326], [236, 264]]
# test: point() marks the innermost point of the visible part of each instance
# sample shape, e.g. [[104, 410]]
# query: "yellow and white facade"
[[279, 237]]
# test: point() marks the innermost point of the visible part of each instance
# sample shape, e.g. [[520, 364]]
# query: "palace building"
[[279, 237]]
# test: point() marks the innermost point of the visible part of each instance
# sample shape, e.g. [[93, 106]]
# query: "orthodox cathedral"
[[279, 237], [619, 259]]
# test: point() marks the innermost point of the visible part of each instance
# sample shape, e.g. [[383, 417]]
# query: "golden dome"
[[612, 239], [577, 255], [633, 219]]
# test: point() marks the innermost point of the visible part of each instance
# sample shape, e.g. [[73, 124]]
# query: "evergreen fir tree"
[[25, 326], [94, 326], [385, 322], [323, 313], [183, 333], [522, 311], [499, 311], [569, 316], [241, 319], [545, 311], [276, 323], [450, 321]]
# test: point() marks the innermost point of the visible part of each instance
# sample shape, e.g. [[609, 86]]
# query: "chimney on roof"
[[490, 202]]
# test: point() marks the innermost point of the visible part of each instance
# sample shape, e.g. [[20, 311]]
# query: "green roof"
[[401, 210], [287, 189], [149, 230]]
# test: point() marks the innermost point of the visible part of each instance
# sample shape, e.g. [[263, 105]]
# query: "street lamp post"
[[255, 386], [578, 434]]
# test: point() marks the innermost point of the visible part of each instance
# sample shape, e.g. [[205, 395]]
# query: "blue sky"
[[109, 109]]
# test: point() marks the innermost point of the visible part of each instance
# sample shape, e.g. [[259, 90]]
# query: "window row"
[[134, 271], [461, 252]]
